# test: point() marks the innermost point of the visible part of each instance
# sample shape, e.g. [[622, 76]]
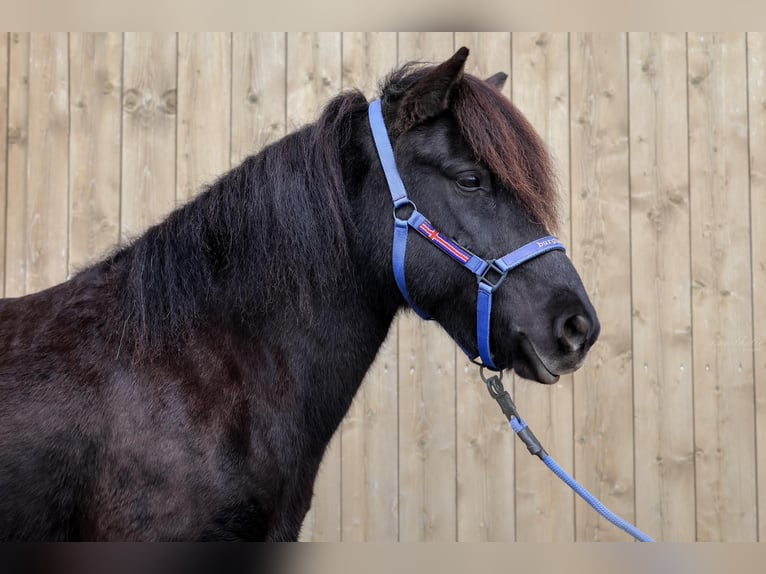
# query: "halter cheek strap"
[[490, 274]]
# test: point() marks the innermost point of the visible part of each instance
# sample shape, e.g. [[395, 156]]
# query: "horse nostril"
[[574, 332]]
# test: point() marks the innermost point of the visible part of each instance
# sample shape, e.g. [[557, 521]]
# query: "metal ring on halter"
[[494, 383], [406, 203], [495, 374]]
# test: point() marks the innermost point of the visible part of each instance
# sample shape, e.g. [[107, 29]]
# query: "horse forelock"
[[499, 136]]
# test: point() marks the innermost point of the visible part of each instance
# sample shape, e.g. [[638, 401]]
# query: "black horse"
[[186, 386]]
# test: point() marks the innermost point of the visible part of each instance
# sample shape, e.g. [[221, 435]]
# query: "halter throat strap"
[[490, 274]]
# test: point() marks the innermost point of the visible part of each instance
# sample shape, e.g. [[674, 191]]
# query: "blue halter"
[[490, 273]]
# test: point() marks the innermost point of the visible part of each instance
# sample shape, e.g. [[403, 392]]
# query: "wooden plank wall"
[[756, 49], [369, 465], [721, 286], [4, 51], [661, 318], [485, 450], [660, 145], [541, 89]]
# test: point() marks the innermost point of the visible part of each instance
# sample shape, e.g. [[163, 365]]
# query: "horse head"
[[474, 166]]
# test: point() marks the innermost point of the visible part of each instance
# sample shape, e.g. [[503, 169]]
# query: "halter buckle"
[[493, 276]]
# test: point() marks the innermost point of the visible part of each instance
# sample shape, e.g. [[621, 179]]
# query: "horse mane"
[[287, 199], [290, 199], [499, 136]]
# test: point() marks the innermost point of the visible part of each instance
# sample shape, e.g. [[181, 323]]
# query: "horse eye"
[[469, 182]]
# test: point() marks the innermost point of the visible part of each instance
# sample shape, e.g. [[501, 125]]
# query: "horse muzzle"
[[573, 335]]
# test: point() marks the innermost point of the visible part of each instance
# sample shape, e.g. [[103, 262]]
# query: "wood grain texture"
[[95, 67], [313, 74], [541, 90], [258, 91], [16, 165], [427, 454], [662, 345], [603, 396], [485, 443], [47, 162], [722, 299], [204, 110], [756, 73], [38, 162], [148, 130], [313, 77], [4, 77], [723, 372], [369, 466]]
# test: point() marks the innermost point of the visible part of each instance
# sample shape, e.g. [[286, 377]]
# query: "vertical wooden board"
[[369, 466], [47, 162], [544, 505], [4, 51], [427, 47], [660, 251], [427, 453], [369, 470], [490, 52], [148, 131], [756, 50], [95, 67], [661, 287], [204, 110], [368, 57], [313, 77], [603, 401], [721, 293], [313, 74], [485, 443], [258, 91], [16, 165]]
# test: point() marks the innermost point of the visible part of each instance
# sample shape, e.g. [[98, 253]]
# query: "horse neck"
[[220, 273]]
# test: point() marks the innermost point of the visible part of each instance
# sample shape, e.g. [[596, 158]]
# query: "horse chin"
[[530, 365]]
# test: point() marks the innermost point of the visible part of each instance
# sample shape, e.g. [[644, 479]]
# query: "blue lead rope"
[[519, 425], [496, 390], [597, 505]]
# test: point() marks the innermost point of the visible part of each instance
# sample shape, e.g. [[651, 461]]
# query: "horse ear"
[[431, 95], [498, 80]]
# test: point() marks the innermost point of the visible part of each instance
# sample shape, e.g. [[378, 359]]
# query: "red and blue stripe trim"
[[450, 248]]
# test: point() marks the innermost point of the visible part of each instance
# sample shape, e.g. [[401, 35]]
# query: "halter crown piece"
[[489, 273]]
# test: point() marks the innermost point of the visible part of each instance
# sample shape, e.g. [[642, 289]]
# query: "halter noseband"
[[490, 273]]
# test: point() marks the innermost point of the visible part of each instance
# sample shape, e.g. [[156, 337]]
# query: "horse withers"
[[186, 386]]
